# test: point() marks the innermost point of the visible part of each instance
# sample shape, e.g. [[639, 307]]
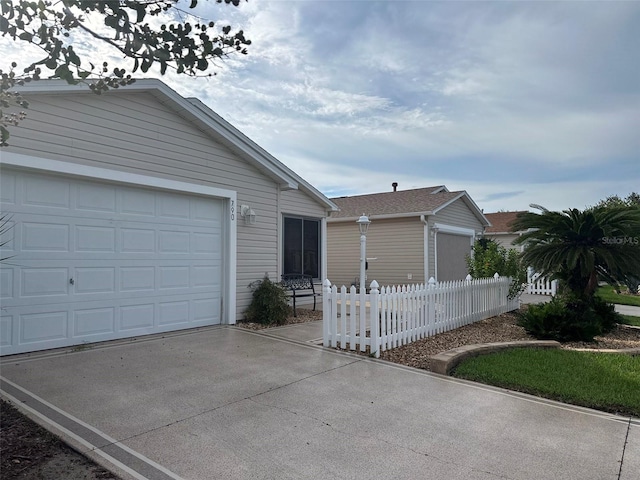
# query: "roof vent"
[[395, 186]]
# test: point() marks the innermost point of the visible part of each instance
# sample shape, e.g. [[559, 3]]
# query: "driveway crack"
[[624, 448], [250, 398], [386, 442]]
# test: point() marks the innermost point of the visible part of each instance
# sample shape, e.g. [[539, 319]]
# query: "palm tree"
[[577, 246]]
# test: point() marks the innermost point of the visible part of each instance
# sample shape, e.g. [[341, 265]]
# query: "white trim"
[[323, 247], [85, 171], [444, 228], [425, 220], [380, 217], [453, 230]]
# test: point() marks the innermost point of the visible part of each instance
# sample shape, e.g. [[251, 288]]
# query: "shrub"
[[270, 303], [568, 318], [490, 258]]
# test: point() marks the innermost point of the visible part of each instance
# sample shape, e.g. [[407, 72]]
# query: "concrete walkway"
[[227, 403]]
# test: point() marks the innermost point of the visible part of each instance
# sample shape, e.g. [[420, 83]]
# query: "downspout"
[[435, 254], [323, 248], [425, 221], [280, 235]]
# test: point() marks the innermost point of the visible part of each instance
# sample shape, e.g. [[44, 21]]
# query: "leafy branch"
[[190, 48]]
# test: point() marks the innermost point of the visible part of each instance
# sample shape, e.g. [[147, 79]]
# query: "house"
[[414, 235], [500, 229], [139, 211]]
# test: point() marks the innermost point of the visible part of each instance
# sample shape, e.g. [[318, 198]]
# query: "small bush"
[[489, 258], [567, 318], [270, 304]]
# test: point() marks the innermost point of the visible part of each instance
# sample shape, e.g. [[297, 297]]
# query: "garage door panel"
[[43, 327], [45, 237], [93, 198], [95, 239], [136, 317], [46, 192], [97, 261], [94, 321], [6, 283], [40, 282], [173, 313], [137, 202], [8, 188]]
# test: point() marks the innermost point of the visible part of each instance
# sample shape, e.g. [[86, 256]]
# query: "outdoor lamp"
[[363, 224], [249, 215]]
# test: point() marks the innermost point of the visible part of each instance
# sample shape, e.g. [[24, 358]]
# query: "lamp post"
[[363, 224]]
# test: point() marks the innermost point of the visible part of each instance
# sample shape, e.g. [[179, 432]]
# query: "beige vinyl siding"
[[298, 203], [459, 215], [397, 244], [135, 133]]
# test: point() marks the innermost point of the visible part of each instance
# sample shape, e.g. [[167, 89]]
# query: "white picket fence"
[[538, 285], [394, 316]]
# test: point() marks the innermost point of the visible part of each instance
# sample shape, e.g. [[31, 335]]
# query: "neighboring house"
[[139, 211], [412, 232], [500, 229]]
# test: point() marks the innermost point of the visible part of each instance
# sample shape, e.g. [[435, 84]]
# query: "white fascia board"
[[381, 217], [470, 203], [29, 162]]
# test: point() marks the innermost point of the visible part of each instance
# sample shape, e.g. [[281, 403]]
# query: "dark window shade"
[[301, 246]]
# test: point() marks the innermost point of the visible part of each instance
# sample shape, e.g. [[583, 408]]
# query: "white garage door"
[[93, 261]]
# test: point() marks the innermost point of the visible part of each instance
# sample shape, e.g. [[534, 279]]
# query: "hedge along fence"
[[390, 317]]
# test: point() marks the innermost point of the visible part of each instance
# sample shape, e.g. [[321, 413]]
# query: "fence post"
[[326, 311], [431, 306], [374, 339], [362, 317]]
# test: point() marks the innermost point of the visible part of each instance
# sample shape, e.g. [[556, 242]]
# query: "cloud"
[[515, 102]]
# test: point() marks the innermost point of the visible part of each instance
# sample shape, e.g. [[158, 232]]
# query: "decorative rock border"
[[444, 362]]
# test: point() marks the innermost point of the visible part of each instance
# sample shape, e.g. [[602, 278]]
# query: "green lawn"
[[608, 294], [608, 382], [630, 320]]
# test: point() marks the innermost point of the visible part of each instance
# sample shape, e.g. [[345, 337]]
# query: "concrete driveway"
[[226, 403]]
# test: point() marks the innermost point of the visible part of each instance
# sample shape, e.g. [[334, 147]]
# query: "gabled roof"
[[501, 222], [402, 203], [206, 120]]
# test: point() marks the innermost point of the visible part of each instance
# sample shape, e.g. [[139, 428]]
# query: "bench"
[[300, 286]]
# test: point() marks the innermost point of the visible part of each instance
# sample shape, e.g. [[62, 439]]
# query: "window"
[[301, 246]]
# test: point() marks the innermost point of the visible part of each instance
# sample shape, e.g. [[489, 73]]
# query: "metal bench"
[[300, 286]]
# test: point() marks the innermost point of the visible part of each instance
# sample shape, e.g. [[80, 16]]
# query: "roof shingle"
[[418, 200], [501, 221]]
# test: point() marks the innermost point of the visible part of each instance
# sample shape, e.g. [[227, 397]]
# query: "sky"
[[517, 103]]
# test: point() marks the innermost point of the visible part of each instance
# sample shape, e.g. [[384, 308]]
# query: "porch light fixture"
[[248, 214], [363, 224]]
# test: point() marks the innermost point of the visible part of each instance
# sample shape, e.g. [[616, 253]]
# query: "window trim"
[[319, 246]]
